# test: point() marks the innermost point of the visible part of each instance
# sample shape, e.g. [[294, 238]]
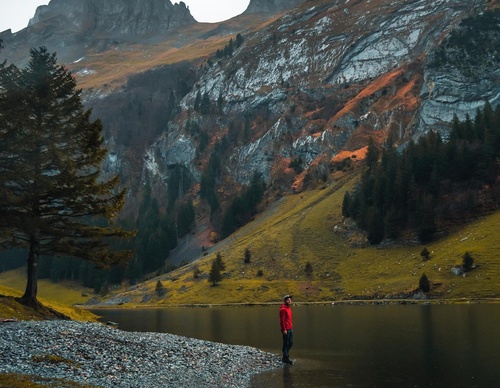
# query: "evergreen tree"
[[415, 188], [392, 223], [425, 254], [372, 154], [308, 269], [229, 217], [204, 139], [239, 40], [346, 204], [423, 283], [219, 262], [205, 104], [215, 275], [469, 134], [247, 256], [243, 207], [254, 193], [51, 186], [185, 218], [156, 237], [229, 48], [467, 261], [375, 230], [209, 180], [159, 288], [456, 129], [426, 224]]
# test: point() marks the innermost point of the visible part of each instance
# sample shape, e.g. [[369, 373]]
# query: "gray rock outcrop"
[[116, 17], [72, 28]]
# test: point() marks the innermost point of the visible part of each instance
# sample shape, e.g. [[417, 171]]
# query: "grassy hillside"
[[111, 69], [308, 228], [53, 296]]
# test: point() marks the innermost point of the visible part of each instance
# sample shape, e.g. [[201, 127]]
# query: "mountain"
[[326, 77], [120, 17], [192, 111], [73, 27]]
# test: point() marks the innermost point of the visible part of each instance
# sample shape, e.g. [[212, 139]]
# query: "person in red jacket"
[[286, 325]]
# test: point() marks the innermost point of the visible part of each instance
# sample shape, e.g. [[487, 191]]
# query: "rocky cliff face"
[[329, 75], [72, 27], [462, 73], [117, 17], [321, 80]]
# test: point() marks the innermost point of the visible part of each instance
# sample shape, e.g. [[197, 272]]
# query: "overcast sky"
[[15, 14]]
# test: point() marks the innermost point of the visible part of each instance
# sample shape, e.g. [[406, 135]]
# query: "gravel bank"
[[96, 354]]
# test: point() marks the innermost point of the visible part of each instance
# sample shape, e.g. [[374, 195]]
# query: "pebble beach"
[[103, 356]]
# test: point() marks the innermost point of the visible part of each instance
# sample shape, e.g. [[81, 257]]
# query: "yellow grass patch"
[[59, 297]]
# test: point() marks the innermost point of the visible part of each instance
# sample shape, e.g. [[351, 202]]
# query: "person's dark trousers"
[[287, 344]]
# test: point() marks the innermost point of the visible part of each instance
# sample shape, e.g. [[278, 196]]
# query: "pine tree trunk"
[[29, 297]]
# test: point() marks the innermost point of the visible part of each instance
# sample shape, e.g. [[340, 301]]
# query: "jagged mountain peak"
[[75, 27], [115, 16]]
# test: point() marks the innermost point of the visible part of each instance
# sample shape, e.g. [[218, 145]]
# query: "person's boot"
[[287, 360]]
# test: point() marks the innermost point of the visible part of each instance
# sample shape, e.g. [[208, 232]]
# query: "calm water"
[[350, 346]]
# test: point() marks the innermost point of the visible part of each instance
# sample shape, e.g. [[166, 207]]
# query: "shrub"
[[424, 284], [308, 269], [468, 261], [160, 290], [248, 256], [425, 254]]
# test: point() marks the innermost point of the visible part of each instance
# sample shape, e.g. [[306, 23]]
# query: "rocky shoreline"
[[99, 355]]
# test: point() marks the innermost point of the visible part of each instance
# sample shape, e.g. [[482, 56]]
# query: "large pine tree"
[[54, 199]]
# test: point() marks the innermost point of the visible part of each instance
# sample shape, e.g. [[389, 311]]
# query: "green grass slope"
[[308, 228], [54, 296]]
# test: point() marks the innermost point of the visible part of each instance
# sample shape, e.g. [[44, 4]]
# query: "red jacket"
[[285, 317]]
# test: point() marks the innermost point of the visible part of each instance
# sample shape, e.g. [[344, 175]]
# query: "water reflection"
[[346, 346], [287, 377]]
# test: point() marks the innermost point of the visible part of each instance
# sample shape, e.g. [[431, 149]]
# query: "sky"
[[15, 14]]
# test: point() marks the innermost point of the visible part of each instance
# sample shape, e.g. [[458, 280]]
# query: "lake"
[[436, 345]]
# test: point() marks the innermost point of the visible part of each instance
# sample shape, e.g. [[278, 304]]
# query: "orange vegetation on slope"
[[358, 154], [373, 87]]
